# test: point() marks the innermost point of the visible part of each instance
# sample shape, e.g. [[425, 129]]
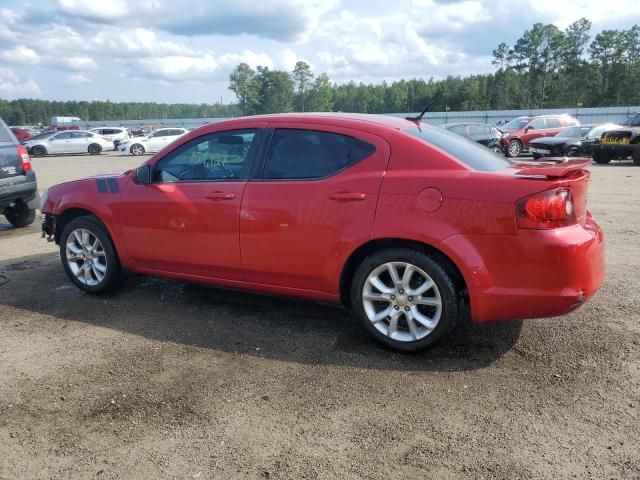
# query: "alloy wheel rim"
[[86, 257], [402, 301], [137, 150], [514, 148]]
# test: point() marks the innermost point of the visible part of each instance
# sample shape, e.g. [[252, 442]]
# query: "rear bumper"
[[21, 187], [534, 274], [616, 150]]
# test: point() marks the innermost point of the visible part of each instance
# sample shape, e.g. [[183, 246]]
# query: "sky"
[[183, 50]]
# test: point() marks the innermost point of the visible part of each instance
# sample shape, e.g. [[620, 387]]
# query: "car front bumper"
[[534, 274]]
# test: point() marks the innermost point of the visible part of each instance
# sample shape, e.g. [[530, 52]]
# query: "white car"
[[150, 143], [115, 134], [69, 141]]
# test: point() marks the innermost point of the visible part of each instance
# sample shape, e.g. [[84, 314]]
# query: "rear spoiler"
[[561, 167]]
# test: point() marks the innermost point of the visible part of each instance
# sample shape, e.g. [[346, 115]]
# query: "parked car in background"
[[570, 142], [76, 141], [22, 134], [518, 133], [115, 134], [486, 135], [412, 226], [18, 187], [620, 143], [150, 143]]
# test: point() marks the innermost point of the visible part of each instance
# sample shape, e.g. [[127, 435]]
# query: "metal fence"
[[585, 115]]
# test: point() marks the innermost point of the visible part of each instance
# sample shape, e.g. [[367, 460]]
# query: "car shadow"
[[270, 327], [9, 231]]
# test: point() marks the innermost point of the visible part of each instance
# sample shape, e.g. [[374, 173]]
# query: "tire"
[[598, 157], [20, 215], [136, 149], [573, 152], [514, 149], [410, 336], [497, 150], [94, 149], [38, 151], [636, 156], [105, 271]]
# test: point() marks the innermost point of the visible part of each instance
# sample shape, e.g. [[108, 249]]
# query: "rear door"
[[311, 200], [10, 164], [554, 126]]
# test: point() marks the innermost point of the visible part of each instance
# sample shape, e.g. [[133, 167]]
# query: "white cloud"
[[20, 55], [11, 85], [180, 67], [79, 63], [251, 58], [76, 79], [96, 10]]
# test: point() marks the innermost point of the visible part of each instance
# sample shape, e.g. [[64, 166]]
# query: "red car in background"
[[411, 226], [22, 134], [517, 133]]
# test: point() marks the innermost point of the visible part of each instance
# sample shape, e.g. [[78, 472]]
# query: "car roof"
[[365, 121], [460, 124]]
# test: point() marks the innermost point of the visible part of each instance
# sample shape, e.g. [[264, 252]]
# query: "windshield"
[[515, 124], [467, 151]]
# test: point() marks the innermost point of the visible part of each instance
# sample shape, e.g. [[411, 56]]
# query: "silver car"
[[70, 141]]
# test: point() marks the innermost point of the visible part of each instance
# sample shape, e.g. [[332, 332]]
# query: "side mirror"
[[143, 175], [526, 129]]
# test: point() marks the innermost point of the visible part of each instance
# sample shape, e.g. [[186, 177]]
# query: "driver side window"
[[217, 156]]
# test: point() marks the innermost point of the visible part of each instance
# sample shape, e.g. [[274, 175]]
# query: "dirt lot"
[[169, 380]]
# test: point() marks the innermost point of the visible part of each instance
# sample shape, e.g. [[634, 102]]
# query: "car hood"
[[554, 140]]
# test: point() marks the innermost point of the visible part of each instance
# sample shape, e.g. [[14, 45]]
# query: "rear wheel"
[[20, 215], [600, 158], [95, 149], [515, 148], [404, 298], [88, 255], [136, 149], [38, 151], [636, 156]]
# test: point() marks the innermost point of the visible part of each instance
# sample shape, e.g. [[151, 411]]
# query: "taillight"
[[545, 210], [24, 158]]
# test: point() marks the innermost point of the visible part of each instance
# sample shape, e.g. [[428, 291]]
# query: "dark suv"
[[18, 188]]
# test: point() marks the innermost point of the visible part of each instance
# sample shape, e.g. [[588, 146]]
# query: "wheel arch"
[[364, 250]]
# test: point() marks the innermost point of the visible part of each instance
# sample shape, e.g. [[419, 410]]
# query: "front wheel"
[[20, 215], [88, 255], [515, 148], [598, 157], [404, 298]]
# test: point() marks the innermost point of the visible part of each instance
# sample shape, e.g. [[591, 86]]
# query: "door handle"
[[221, 196], [348, 196]]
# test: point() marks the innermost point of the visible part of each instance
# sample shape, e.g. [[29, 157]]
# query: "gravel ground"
[[169, 380]]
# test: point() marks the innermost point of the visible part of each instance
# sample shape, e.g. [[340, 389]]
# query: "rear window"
[[467, 151], [5, 134]]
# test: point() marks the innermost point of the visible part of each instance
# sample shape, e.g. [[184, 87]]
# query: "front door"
[[315, 199], [535, 129], [186, 220]]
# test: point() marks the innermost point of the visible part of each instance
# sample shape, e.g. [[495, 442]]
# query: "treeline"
[[544, 68], [33, 112]]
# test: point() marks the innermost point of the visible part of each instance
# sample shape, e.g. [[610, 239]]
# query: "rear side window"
[[553, 123], [476, 130], [312, 154], [459, 129], [467, 151]]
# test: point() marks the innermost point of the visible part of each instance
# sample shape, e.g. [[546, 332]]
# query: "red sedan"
[[407, 224]]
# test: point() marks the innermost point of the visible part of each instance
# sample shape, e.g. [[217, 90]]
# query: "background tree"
[[302, 78]]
